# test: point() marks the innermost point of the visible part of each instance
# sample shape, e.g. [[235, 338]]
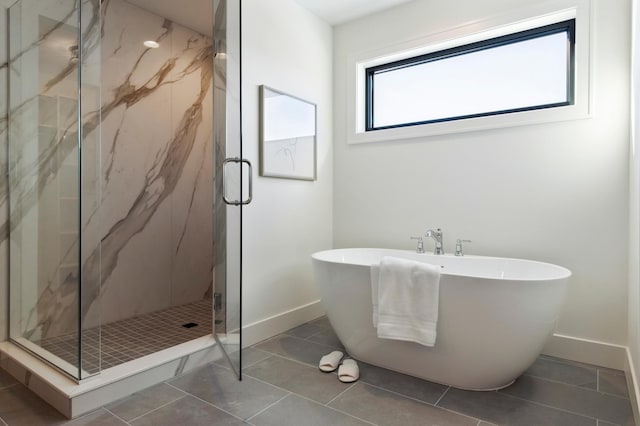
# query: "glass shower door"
[[232, 181]]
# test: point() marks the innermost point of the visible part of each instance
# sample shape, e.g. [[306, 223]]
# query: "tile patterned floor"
[[132, 338], [283, 386]]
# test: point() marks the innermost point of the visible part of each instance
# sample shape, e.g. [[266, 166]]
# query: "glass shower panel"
[[90, 68], [228, 181], [45, 163]]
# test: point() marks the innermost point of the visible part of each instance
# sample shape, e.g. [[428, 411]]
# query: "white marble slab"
[[157, 173]]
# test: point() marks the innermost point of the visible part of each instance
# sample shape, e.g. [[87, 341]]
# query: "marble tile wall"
[[156, 215], [146, 173]]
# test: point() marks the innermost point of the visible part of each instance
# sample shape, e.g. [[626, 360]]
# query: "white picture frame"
[[288, 127]]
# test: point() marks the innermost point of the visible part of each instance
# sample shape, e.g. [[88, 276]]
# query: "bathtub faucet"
[[437, 237]]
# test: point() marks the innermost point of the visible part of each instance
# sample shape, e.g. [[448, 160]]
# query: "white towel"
[[407, 300], [375, 279]]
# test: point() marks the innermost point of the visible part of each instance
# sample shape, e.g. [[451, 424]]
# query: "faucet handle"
[[420, 248], [459, 246]]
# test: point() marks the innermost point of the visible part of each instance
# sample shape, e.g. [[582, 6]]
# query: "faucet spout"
[[437, 237]]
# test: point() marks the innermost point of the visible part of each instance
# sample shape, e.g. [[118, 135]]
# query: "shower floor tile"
[[132, 338]]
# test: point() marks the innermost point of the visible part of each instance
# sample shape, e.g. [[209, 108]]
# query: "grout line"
[[224, 365], [625, 398], [341, 393], [548, 406], [489, 423], [175, 387], [608, 393], [332, 408], [270, 355], [562, 383], [321, 327], [423, 402], [459, 413], [352, 416], [309, 399], [612, 371], [276, 386], [115, 415], [269, 406], [262, 342], [399, 394], [209, 403], [296, 361], [308, 338], [157, 408], [336, 348], [442, 396], [580, 387]]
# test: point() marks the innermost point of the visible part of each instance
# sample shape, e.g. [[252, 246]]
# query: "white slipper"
[[348, 371], [330, 362]]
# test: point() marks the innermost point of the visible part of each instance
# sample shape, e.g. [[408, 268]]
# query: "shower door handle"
[[236, 160]]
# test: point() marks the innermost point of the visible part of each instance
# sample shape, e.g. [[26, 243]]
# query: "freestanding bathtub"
[[495, 315]]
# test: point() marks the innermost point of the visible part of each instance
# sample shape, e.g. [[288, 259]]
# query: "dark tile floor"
[[283, 386]]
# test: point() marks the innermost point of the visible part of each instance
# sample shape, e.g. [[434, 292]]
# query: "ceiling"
[[339, 11], [197, 15]]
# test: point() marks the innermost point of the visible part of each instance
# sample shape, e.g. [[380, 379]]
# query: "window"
[[523, 71]]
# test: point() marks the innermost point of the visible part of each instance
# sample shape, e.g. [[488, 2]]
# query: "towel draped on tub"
[[405, 297]]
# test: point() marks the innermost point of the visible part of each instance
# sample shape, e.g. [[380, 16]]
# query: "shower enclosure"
[[125, 180]]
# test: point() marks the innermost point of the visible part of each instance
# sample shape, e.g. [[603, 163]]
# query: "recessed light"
[[151, 44]]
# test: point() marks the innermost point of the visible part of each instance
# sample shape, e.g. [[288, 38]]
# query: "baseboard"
[[632, 386], [269, 327], [587, 351]]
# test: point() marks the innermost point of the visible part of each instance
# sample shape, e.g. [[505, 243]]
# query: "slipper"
[[330, 362], [348, 371]]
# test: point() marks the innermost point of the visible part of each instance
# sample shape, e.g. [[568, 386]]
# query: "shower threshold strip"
[[50, 357]]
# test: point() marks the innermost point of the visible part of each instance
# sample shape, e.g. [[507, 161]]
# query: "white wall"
[[551, 192], [289, 49]]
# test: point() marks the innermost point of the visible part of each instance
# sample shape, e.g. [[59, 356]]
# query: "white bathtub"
[[495, 315]]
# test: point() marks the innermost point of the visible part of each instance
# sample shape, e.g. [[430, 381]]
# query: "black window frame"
[[567, 26]]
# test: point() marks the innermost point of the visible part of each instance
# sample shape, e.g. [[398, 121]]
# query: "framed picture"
[[287, 136]]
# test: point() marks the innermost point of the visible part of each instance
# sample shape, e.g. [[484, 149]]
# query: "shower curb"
[[73, 399]]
